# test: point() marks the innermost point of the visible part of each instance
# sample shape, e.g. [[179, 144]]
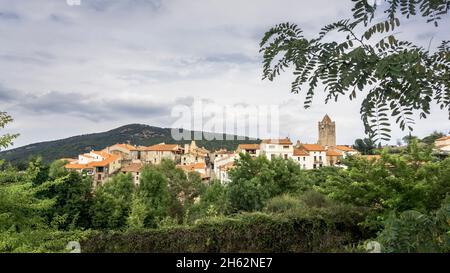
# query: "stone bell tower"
[[327, 132]]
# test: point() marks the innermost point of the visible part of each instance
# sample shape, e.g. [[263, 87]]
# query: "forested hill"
[[136, 134]]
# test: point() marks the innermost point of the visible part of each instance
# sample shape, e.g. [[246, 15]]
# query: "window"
[[272, 156], [285, 147], [315, 158], [271, 146], [304, 158], [315, 166], [286, 156]]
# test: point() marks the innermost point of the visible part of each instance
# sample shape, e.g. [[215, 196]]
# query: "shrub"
[[248, 233], [283, 203]]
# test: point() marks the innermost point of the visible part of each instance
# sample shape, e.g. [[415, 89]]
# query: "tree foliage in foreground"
[[6, 140], [401, 78]]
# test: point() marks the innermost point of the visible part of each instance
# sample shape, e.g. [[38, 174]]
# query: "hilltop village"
[[127, 158]]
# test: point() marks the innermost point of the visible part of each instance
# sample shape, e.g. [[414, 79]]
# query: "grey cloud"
[[8, 95], [84, 106], [237, 58], [7, 15], [111, 5], [37, 58]]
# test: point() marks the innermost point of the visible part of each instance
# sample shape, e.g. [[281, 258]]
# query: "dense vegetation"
[[135, 134], [401, 200]]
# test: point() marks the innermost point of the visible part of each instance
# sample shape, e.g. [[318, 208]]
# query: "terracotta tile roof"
[[331, 152], [248, 147], [163, 147], [77, 166], [133, 167], [313, 147], [107, 159], [222, 152], [101, 153], [300, 152], [443, 138], [345, 148], [193, 167], [128, 147], [103, 163], [284, 141]]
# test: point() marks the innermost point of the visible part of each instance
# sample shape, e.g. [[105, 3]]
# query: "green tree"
[[183, 189], [400, 78], [213, 201], [251, 183], [396, 182], [57, 169], [412, 231], [255, 180], [21, 209], [287, 176], [409, 138], [154, 191], [138, 213], [112, 203], [365, 146], [430, 139], [8, 174], [37, 171], [7, 139], [73, 200]]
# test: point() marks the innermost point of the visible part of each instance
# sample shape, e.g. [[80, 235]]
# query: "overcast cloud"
[[69, 70]]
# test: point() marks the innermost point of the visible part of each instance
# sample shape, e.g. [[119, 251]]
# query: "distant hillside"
[[136, 134]]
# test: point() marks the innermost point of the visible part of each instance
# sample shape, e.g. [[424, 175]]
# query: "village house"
[[277, 148], [156, 153], [200, 168], [194, 154], [251, 149], [317, 155], [122, 150], [345, 150], [301, 157], [443, 145], [134, 169], [222, 164], [98, 164], [222, 172], [334, 157]]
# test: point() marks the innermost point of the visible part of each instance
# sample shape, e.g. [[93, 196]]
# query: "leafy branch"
[[402, 78]]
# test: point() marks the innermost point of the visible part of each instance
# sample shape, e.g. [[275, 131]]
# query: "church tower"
[[327, 132]]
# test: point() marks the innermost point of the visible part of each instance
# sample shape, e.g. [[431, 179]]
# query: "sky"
[[68, 70]]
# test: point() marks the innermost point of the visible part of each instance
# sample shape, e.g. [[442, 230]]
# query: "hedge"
[[249, 233]]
